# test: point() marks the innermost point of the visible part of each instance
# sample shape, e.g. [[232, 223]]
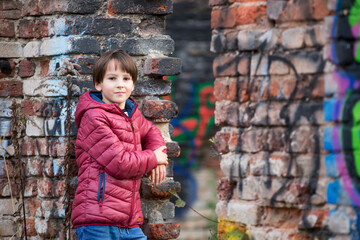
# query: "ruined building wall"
[[38, 170], [287, 82]]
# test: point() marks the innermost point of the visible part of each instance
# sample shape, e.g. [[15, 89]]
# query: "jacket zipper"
[[134, 181]]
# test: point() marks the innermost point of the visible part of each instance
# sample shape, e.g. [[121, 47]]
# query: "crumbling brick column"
[[44, 44], [286, 88]]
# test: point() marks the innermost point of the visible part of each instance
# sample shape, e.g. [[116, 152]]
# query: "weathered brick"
[[162, 231], [89, 26], [317, 35], [8, 227], [228, 17], [7, 28], [31, 188], [227, 113], [159, 110], [140, 6], [84, 6], [305, 139], [44, 67], [26, 68], [218, 43], [315, 218], [66, 45], [33, 29], [34, 167], [217, 2], [246, 113], [30, 227], [285, 11], [243, 212], [142, 46], [162, 66], [308, 62], [339, 222], [225, 65], [11, 50], [33, 207], [7, 206], [11, 88], [225, 89], [172, 149], [44, 147], [234, 165], [278, 139], [45, 188], [7, 68], [260, 65], [249, 39], [10, 14], [252, 140], [221, 141], [5, 127], [278, 217], [293, 38], [32, 49], [161, 191]]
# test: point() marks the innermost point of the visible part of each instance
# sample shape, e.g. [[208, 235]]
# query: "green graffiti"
[[354, 16]]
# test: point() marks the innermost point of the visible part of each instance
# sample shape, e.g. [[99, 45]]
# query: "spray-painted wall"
[[48, 50], [286, 87]]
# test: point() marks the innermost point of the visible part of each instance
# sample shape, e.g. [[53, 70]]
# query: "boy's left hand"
[[158, 174]]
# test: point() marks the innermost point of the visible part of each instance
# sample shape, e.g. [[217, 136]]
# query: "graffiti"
[[195, 122], [342, 140]]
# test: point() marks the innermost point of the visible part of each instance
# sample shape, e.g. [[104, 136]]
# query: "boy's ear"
[[98, 86]]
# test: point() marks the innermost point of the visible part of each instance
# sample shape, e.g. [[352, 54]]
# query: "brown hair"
[[127, 64]]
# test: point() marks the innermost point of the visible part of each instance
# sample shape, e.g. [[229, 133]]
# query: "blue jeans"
[[109, 233]]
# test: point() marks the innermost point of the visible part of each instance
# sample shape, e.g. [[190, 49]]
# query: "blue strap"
[[102, 182]]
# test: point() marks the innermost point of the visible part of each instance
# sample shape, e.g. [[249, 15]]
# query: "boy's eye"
[[112, 78], [126, 78]]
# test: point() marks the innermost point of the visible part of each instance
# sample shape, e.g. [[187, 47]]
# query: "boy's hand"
[[158, 174], [161, 157]]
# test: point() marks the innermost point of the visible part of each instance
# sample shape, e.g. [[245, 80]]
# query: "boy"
[[115, 146]]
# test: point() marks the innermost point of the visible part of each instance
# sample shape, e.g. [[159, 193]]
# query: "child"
[[115, 146]]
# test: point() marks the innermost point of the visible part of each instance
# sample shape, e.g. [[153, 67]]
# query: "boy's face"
[[116, 86]]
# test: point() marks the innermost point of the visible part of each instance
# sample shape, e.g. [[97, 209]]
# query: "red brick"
[[225, 89], [11, 88], [26, 68], [253, 140], [227, 113], [315, 218], [43, 146], [60, 188], [298, 10], [281, 217], [162, 191], [31, 7], [225, 65], [224, 189], [7, 68], [44, 68], [34, 167], [162, 231], [229, 17], [162, 66], [7, 28], [243, 66], [30, 227], [159, 110], [10, 14], [10, 5], [45, 187], [222, 141], [34, 207], [31, 188], [33, 29], [31, 108]]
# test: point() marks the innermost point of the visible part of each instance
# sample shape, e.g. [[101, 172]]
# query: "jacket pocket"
[[101, 190]]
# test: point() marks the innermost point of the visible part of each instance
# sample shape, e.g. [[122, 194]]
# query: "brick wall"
[[286, 88], [37, 166]]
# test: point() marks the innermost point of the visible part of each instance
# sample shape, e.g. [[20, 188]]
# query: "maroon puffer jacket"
[[112, 152]]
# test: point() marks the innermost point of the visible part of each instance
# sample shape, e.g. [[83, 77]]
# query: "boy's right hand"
[[161, 156]]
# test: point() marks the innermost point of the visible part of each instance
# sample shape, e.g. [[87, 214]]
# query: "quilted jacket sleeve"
[[151, 137], [99, 141]]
